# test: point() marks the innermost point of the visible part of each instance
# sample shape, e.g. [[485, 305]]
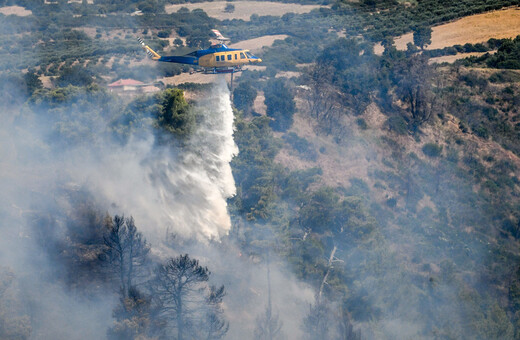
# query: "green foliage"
[[75, 76], [280, 104], [507, 56], [173, 113], [254, 169], [32, 82], [362, 123], [230, 8], [244, 96], [187, 300], [432, 150], [505, 77], [422, 36], [496, 325], [397, 19], [163, 34]]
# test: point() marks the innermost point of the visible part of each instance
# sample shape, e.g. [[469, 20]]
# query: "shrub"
[[230, 8], [163, 34], [432, 150], [362, 123], [397, 124]]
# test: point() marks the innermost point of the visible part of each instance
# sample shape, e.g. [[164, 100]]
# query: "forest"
[[370, 195]]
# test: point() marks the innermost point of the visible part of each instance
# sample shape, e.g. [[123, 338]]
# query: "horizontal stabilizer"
[[219, 35]]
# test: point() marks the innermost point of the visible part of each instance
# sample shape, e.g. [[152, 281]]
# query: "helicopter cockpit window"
[[242, 55], [249, 55]]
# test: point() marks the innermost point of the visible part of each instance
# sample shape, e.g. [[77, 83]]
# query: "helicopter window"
[[229, 57], [218, 58], [236, 56], [242, 56]]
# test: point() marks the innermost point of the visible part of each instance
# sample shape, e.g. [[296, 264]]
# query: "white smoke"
[[173, 190]]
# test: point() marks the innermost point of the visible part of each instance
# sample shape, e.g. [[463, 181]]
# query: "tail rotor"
[[151, 53]]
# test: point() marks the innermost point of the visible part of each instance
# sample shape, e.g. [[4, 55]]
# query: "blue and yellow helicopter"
[[217, 59]]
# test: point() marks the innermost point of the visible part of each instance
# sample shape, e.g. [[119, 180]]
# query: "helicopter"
[[218, 58]]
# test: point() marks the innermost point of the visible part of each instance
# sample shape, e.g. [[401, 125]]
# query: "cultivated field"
[[472, 29], [15, 10], [243, 9]]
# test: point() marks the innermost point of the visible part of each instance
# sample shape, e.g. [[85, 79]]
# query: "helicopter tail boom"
[[154, 55]]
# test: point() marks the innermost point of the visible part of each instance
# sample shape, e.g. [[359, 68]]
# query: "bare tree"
[[415, 89], [183, 295], [324, 100], [135, 318], [346, 329], [213, 325], [317, 323], [126, 251], [268, 325]]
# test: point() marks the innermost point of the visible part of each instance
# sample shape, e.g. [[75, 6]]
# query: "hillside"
[[361, 183]]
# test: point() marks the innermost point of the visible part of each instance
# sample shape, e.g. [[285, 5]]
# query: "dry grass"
[[452, 58], [259, 104], [472, 29], [15, 10], [256, 44], [244, 9]]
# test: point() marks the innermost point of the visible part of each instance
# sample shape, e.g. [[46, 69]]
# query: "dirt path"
[[243, 9]]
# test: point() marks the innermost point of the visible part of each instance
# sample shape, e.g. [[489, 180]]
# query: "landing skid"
[[217, 70]]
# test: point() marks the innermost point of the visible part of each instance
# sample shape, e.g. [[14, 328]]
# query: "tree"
[[213, 325], [414, 86], [346, 329], [244, 96], [280, 104], [230, 8], [76, 75], [135, 318], [268, 325], [32, 82], [422, 36], [174, 114], [317, 323], [197, 39], [182, 294], [13, 323], [323, 99], [126, 251]]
